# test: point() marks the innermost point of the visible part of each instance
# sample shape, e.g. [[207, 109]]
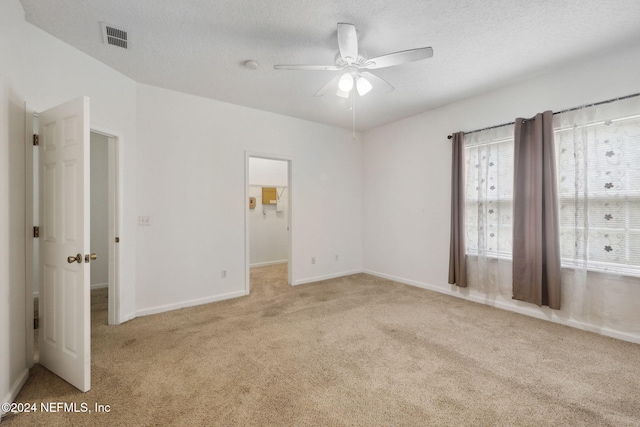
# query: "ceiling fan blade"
[[307, 67], [348, 42], [378, 81], [329, 86], [398, 58]]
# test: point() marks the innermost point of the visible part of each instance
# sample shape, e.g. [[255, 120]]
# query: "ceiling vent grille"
[[114, 36]]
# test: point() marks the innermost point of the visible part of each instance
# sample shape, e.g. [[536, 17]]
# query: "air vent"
[[114, 36]]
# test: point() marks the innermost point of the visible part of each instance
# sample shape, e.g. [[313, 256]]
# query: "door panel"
[[65, 340]]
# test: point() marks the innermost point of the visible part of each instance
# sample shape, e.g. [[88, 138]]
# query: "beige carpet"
[[354, 351]]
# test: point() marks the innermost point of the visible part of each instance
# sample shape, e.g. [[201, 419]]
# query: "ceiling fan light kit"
[[345, 83], [363, 86], [355, 65]]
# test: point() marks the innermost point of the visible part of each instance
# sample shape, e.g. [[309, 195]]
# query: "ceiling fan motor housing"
[[360, 61]]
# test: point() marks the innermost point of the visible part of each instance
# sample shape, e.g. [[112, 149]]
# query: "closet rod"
[[557, 112]]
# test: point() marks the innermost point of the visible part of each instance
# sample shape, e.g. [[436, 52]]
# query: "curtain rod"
[[557, 112]]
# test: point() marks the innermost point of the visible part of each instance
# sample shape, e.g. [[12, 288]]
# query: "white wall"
[[100, 209], [191, 172], [63, 73], [407, 167], [13, 369], [268, 172]]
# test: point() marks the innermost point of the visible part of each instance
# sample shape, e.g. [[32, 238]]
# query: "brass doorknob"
[[72, 259], [91, 257]]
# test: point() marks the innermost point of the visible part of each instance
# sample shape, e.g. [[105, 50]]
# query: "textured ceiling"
[[199, 46]]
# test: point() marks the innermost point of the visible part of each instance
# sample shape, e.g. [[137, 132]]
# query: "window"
[[598, 172], [489, 193], [599, 192]]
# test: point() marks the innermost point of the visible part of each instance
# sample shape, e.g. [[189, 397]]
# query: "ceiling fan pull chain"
[[353, 114]]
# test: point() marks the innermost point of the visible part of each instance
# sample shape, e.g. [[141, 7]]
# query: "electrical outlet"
[[337, 258], [313, 260], [144, 220], [223, 274]]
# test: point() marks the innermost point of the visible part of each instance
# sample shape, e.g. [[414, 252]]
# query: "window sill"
[[597, 269]]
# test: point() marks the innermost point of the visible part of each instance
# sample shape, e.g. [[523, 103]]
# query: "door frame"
[[30, 222], [290, 202], [114, 215]]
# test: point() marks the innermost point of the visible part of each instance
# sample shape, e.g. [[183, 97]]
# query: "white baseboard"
[[516, 307], [264, 264], [190, 303], [127, 317], [15, 389], [325, 277]]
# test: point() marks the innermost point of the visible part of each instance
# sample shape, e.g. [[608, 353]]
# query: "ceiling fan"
[[356, 65]]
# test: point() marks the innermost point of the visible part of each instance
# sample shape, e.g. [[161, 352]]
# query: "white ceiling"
[[199, 46]]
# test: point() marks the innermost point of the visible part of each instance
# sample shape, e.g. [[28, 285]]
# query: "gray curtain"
[[457, 248], [536, 248]]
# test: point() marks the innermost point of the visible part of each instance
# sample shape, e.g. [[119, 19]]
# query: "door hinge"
[[36, 231], [117, 240], [36, 322], [36, 139]]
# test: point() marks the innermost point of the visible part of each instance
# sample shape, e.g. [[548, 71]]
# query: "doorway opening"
[[268, 213], [102, 268]]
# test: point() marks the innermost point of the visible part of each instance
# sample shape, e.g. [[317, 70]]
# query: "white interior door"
[[65, 318]]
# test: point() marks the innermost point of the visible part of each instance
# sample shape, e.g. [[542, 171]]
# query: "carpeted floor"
[[353, 351]]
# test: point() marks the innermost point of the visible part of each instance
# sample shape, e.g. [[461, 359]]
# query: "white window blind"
[[599, 192], [598, 172], [489, 193]]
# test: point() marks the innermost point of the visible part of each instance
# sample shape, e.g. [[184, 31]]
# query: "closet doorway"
[[268, 213]]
